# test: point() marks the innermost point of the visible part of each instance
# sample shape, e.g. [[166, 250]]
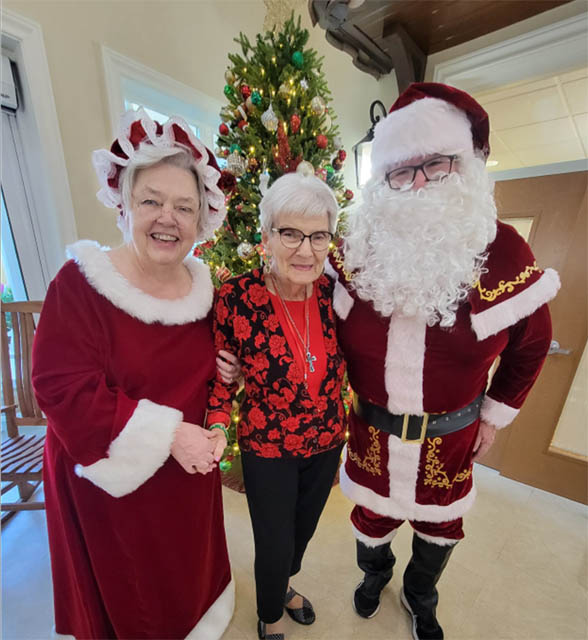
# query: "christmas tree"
[[277, 119]]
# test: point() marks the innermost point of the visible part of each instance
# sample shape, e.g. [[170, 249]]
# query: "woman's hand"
[[194, 448], [218, 438], [228, 366]]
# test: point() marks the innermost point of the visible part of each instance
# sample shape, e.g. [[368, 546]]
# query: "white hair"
[[297, 194], [147, 156], [418, 253]]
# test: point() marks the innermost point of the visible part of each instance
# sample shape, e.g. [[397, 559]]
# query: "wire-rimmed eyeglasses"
[[434, 169], [293, 238]]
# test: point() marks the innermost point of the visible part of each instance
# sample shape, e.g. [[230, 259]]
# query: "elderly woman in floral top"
[[280, 324]]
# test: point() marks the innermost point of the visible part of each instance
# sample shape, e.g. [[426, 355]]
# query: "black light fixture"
[[362, 149]]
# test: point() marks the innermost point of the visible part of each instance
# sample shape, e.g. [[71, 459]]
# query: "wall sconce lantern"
[[362, 149]]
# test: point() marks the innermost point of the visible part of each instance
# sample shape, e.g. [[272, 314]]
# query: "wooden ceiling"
[[381, 35]]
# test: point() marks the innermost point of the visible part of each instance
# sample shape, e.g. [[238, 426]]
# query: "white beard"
[[418, 253]]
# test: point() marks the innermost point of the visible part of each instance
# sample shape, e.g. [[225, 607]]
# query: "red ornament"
[[239, 207], [223, 129], [245, 91], [322, 174], [242, 124], [322, 141], [226, 152], [348, 194], [223, 273], [342, 155], [294, 123]]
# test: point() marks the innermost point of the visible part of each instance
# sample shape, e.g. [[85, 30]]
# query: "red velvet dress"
[[403, 365], [137, 544]]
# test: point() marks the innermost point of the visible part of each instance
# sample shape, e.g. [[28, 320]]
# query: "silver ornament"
[[317, 106], [328, 122], [305, 168], [229, 76], [337, 142], [304, 84], [244, 250], [236, 164], [269, 119]]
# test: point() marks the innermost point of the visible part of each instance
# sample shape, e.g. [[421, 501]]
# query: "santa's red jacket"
[[405, 366]]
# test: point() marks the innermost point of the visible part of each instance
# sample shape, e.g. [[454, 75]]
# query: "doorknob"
[[554, 348]]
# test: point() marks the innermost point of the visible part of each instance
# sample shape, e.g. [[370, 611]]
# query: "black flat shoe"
[[305, 614], [262, 635]]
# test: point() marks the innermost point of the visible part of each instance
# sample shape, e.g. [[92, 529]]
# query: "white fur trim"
[[214, 622], [424, 127], [507, 313], [438, 540], [405, 357], [496, 413], [138, 451], [373, 542], [400, 506], [342, 300], [98, 269]]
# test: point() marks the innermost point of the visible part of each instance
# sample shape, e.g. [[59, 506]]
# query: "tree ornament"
[[322, 141], [225, 465], [249, 105], [322, 174], [304, 84], [245, 91], [239, 208], [256, 98], [241, 112], [317, 106], [235, 147], [257, 237], [229, 76], [229, 90], [223, 273], [223, 129], [294, 123], [348, 194], [284, 90], [337, 164], [298, 59], [328, 122], [269, 119], [236, 164], [244, 250], [264, 179], [342, 155], [225, 152], [253, 164], [305, 168], [330, 170], [337, 142], [243, 124]]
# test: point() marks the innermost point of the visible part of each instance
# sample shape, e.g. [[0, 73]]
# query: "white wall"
[[188, 41]]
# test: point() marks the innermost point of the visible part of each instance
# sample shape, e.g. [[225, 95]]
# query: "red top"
[[279, 415], [317, 344]]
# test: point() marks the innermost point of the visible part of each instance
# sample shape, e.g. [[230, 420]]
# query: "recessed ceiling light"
[[491, 163]]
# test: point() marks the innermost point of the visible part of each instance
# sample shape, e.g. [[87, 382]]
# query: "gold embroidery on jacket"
[[341, 263], [371, 461], [506, 287], [435, 476]]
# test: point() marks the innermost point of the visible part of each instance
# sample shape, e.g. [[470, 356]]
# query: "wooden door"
[[557, 207]]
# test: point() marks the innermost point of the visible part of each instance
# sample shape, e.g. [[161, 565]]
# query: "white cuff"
[[496, 413], [138, 451]]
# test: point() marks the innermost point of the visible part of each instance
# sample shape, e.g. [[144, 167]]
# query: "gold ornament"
[[284, 90], [317, 106]]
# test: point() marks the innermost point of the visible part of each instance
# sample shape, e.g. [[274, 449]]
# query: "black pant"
[[286, 497]]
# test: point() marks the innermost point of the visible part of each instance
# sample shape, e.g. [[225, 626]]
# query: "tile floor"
[[521, 572]]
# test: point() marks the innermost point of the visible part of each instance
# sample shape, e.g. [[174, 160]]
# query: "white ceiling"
[[538, 122]]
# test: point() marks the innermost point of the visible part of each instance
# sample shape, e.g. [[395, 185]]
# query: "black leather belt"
[[411, 428]]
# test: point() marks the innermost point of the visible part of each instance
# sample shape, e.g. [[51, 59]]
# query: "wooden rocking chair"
[[22, 455]]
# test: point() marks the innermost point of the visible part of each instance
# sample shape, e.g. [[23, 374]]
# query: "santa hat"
[[429, 118], [137, 127]]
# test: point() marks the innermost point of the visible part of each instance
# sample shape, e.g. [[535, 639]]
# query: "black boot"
[[419, 595], [377, 564]]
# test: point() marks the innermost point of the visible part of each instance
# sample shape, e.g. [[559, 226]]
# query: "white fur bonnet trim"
[[98, 269], [423, 127], [106, 163]]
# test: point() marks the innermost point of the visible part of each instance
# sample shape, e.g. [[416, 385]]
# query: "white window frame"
[[194, 106], [48, 195]]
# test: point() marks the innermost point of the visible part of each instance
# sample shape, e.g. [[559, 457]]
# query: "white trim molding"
[[51, 197], [546, 51]]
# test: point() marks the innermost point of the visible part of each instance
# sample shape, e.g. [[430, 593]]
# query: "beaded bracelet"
[[221, 426]]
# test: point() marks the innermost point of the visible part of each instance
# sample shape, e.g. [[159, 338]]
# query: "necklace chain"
[[310, 359]]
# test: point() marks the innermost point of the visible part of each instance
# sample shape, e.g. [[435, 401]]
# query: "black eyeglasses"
[[434, 169], [293, 238]]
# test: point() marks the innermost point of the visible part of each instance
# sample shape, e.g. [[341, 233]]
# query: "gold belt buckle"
[[424, 424]]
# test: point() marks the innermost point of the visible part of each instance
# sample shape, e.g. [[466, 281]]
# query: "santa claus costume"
[[137, 544], [419, 340]]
